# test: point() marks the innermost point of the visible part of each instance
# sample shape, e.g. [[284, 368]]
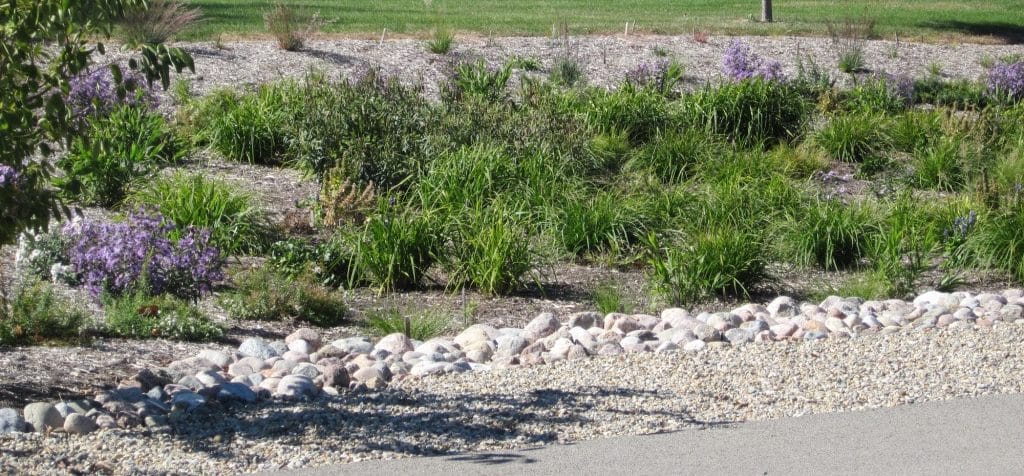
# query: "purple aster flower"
[[1007, 80], [8, 176], [740, 63], [117, 257]]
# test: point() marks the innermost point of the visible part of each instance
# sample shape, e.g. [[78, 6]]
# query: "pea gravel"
[[566, 401]]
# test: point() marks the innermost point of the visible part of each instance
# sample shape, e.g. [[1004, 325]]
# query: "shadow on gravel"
[[330, 57], [19, 394], [493, 458], [1007, 32], [411, 423]]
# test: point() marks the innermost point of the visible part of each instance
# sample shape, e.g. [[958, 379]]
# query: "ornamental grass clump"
[[144, 250], [740, 64]]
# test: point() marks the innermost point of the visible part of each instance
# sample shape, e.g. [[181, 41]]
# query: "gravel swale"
[[562, 402]]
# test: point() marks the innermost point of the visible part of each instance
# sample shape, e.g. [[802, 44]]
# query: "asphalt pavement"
[[965, 436]]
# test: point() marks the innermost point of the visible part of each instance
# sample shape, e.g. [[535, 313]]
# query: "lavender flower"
[[660, 75], [1007, 80], [899, 86], [961, 227], [9, 177], [740, 63], [117, 257], [95, 93]]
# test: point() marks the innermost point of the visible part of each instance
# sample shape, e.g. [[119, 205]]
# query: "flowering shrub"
[[44, 254], [9, 177], [97, 94], [142, 252], [740, 63], [1007, 80]]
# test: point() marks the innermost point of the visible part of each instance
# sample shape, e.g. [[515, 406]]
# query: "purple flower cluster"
[[647, 73], [9, 177], [1007, 80], [899, 86], [95, 93], [117, 257], [740, 63], [961, 227]]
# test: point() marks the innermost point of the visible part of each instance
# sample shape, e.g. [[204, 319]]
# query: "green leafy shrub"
[[263, 294], [940, 165], [879, 94], [852, 61], [260, 294], [480, 80], [640, 112], [828, 234], [331, 261], [490, 250], [750, 112], [248, 128], [567, 71], [609, 150], [125, 146], [36, 314], [915, 130], [441, 41], [721, 261], [608, 298], [958, 94], [138, 315], [319, 305], [598, 221], [423, 326], [236, 223], [397, 248], [852, 137], [672, 156], [899, 251], [374, 129], [998, 242]]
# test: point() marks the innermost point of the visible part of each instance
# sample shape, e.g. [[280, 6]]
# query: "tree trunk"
[[766, 11]]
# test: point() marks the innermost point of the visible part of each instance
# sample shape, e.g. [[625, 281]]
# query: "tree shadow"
[[19, 394], [1009, 33], [412, 423], [329, 57]]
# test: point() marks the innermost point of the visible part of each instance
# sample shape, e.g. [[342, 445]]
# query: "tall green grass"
[[750, 112], [236, 223]]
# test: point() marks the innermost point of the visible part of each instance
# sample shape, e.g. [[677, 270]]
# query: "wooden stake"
[[385, 32]]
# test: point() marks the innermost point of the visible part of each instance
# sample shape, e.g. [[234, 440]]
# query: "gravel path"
[[563, 402], [606, 59]]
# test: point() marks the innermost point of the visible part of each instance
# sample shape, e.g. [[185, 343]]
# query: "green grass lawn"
[[1000, 20]]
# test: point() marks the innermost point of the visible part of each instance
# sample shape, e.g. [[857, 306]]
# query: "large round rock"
[[42, 416], [11, 421], [259, 348]]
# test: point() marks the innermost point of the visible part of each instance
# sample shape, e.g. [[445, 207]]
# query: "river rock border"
[[303, 367]]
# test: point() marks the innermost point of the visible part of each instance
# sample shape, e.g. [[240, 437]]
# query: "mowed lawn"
[[993, 20]]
